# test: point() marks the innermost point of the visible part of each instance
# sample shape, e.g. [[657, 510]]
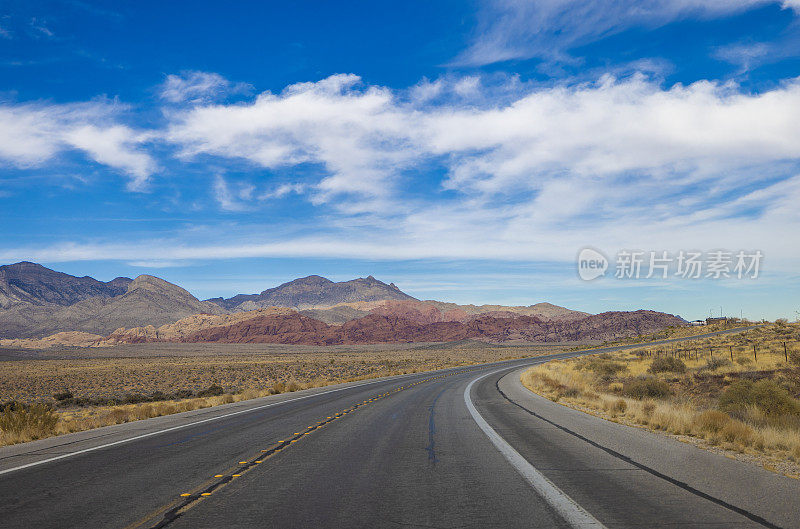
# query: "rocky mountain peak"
[[159, 286], [315, 292]]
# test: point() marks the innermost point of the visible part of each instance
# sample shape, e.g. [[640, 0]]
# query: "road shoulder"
[[738, 483]]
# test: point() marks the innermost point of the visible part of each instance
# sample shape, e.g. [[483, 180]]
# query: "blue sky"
[[466, 151]]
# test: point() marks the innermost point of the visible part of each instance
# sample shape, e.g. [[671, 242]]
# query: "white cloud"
[[368, 138], [232, 197], [613, 128], [791, 4], [113, 146], [199, 87], [616, 163], [155, 263], [34, 134], [548, 29], [40, 28], [745, 55], [357, 135], [532, 175], [284, 190]]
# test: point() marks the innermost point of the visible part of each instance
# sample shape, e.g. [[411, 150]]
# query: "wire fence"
[[709, 351]]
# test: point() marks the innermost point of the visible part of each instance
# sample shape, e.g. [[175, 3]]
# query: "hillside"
[[437, 311], [42, 306], [295, 328], [315, 292], [147, 300], [32, 283]]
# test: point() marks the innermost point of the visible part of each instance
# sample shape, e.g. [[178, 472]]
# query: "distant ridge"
[[313, 292], [294, 328], [39, 306], [27, 282], [38, 302]]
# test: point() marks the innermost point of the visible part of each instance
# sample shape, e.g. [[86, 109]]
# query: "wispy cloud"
[[549, 29], [155, 263], [284, 190], [232, 197], [749, 55], [40, 29], [199, 87]]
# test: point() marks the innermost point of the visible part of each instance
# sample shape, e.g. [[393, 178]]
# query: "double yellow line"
[[187, 500]]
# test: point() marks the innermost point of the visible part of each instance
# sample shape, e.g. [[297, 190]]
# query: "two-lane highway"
[[456, 448]]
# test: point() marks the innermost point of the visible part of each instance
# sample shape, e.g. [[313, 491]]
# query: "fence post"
[[755, 355], [785, 353], [712, 351], [731, 348]]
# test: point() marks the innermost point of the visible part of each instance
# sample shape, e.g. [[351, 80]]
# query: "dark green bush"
[[646, 388], [134, 398], [605, 369], [667, 364], [158, 395], [570, 392], [211, 391], [63, 395], [715, 362], [766, 395]]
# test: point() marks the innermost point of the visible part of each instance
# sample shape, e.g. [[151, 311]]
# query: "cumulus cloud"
[[531, 175], [613, 163], [357, 135], [548, 29], [366, 138], [199, 87], [34, 134]]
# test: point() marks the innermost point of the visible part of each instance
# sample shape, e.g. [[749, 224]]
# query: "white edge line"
[[575, 515], [173, 428]]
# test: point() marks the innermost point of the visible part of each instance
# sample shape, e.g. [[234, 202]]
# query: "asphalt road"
[[456, 448]]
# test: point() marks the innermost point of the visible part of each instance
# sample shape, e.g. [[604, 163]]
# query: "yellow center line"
[[279, 446]]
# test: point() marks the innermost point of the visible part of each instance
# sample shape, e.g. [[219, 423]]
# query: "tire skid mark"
[[431, 448]]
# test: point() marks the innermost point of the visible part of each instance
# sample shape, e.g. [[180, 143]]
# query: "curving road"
[[455, 448]]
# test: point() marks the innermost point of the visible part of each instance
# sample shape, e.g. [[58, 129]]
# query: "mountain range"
[[315, 292], [38, 302], [40, 307]]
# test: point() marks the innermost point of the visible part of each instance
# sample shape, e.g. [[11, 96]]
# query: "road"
[[457, 448]]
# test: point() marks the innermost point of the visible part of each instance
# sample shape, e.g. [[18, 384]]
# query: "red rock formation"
[[418, 311], [375, 328], [288, 328]]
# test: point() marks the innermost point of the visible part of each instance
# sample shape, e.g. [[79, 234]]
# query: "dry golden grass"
[[688, 331], [239, 376], [691, 404]]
